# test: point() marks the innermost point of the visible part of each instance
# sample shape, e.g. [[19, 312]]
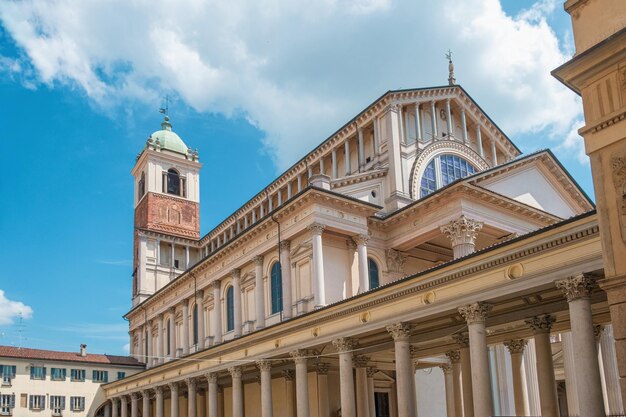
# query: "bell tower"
[[167, 205]]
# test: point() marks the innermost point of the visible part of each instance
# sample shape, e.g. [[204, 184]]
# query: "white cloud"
[[126, 348], [10, 310], [298, 70]]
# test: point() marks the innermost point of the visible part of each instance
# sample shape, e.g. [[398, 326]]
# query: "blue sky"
[[79, 102]]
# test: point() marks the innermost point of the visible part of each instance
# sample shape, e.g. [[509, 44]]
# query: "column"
[[285, 272], [516, 349], [289, 195], [107, 410], [375, 127], [400, 332], [185, 333], [466, 374], [457, 387], [448, 378], [541, 326], [141, 353], [160, 344], [235, 373], [158, 251], [449, 118], [370, 390], [266, 387], [402, 124], [191, 397], [493, 152], [418, 123], [217, 311], [323, 405], [172, 253], [173, 399], [362, 398], [479, 142], [299, 182], [577, 289], [124, 406], [172, 332], [212, 394], [134, 405], [158, 402], [302, 383], [149, 353], [347, 156], [318, 264], [361, 151], [569, 360], [333, 159], [259, 292], [186, 257], [289, 393], [475, 315], [115, 405], [462, 233], [346, 381], [200, 304], [361, 245], [145, 400], [236, 275], [611, 374], [464, 126], [433, 119]]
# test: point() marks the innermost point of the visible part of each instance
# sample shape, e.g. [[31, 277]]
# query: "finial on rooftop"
[[451, 79], [166, 125]]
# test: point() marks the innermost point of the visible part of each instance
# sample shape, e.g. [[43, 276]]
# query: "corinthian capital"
[[541, 324], [515, 345], [344, 344], [235, 273], [284, 245], [235, 372], [258, 260], [454, 356], [578, 286], [322, 368], [462, 339], [264, 365], [361, 239], [475, 313], [299, 356], [400, 331], [462, 230], [360, 361], [316, 228]]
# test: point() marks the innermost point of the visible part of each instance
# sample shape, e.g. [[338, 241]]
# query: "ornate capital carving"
[[446, 368], [462, 230], [264, 365], [211, 378], [360, 361], [173, 386], [461, 339], [371, 371], [289, 375], [191, 382], [598, 329], [578, 286], [476, 312], [200, 294], [184, 302], [344, 344], [322, 368], [134, 396], [217, 284], [235, 371], [235, 273], [258, 260], [515, 345], [284, 245], [361, 239], [400, 331], [316, 228], [541, 324], [351, 245], [395, 261], [454, 356], [299, 356], [158, 390]]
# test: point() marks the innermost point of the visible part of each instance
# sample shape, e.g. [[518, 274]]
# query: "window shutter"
[[1, 370], [64, 373], [44, 372], [106, 376], [30, 401], [12, 404], [13, 371], [52, 401], [32, 372], [63, 403], [93, 375]]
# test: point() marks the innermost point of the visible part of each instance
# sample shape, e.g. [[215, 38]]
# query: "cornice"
[[358, 178]]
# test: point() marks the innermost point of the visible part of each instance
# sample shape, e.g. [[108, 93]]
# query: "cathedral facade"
[[414, 263]]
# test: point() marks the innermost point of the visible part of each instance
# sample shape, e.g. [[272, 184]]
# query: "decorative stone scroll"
[[395, 261], [516, 345], [371, 371], [577, 286], [476, 312], [400, 331], [360, 361], [321, 368], [541, 324], [454, 356], [446, 368]]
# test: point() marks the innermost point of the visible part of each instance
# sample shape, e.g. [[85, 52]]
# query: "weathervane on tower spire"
[[165, 110], [451, 79]]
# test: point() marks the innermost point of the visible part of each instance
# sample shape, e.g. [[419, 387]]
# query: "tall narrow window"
[[173, 182], [230, 309], [167, 336], [141, 187], [276, 284], [372, 267], [195, 324]]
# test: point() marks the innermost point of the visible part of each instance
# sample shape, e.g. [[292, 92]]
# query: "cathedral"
[[414, 263]]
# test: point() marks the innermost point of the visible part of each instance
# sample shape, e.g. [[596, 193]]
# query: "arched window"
[[230, 309], [276, 287], [167, 335], [372, 267], [444, 170], [173, 182], [195, 324]]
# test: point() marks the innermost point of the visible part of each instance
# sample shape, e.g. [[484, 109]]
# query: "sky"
[[253, 85]]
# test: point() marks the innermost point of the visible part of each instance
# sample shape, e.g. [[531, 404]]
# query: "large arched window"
[[230, 309], [372, 267], [276, 288], [195, 324], [173, 182], [444, 170]]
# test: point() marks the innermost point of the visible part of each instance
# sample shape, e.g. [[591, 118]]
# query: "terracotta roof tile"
[[52, 355]]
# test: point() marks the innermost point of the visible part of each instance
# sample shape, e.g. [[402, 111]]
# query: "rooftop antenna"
[[451, 79], [20, 329]]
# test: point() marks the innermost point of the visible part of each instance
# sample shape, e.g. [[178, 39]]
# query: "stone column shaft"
[[185, 333], [191, 398], [285, 271], [212, 396], [346, 381], [418, 123], [433, 119], [115, 404], [145, 399], [449, 118], [455, 359], [236, 274], [266, 388], [149, 353], [237, 392], [361, 150], [405, 384], [107, 410], [449, 386], [479, 141], [200, 304], [172, 334], [158, 402], [364, 279], [259, 292], [173, 400], [347, 157], [464, 126], [494, 154], [160, 344], [516, 349], [124, 406], [333, 159], [375, 128], [302, 384], [362, 398], [217, 312], [318, 264], [370, 391], [548, 400], [134, 405]]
